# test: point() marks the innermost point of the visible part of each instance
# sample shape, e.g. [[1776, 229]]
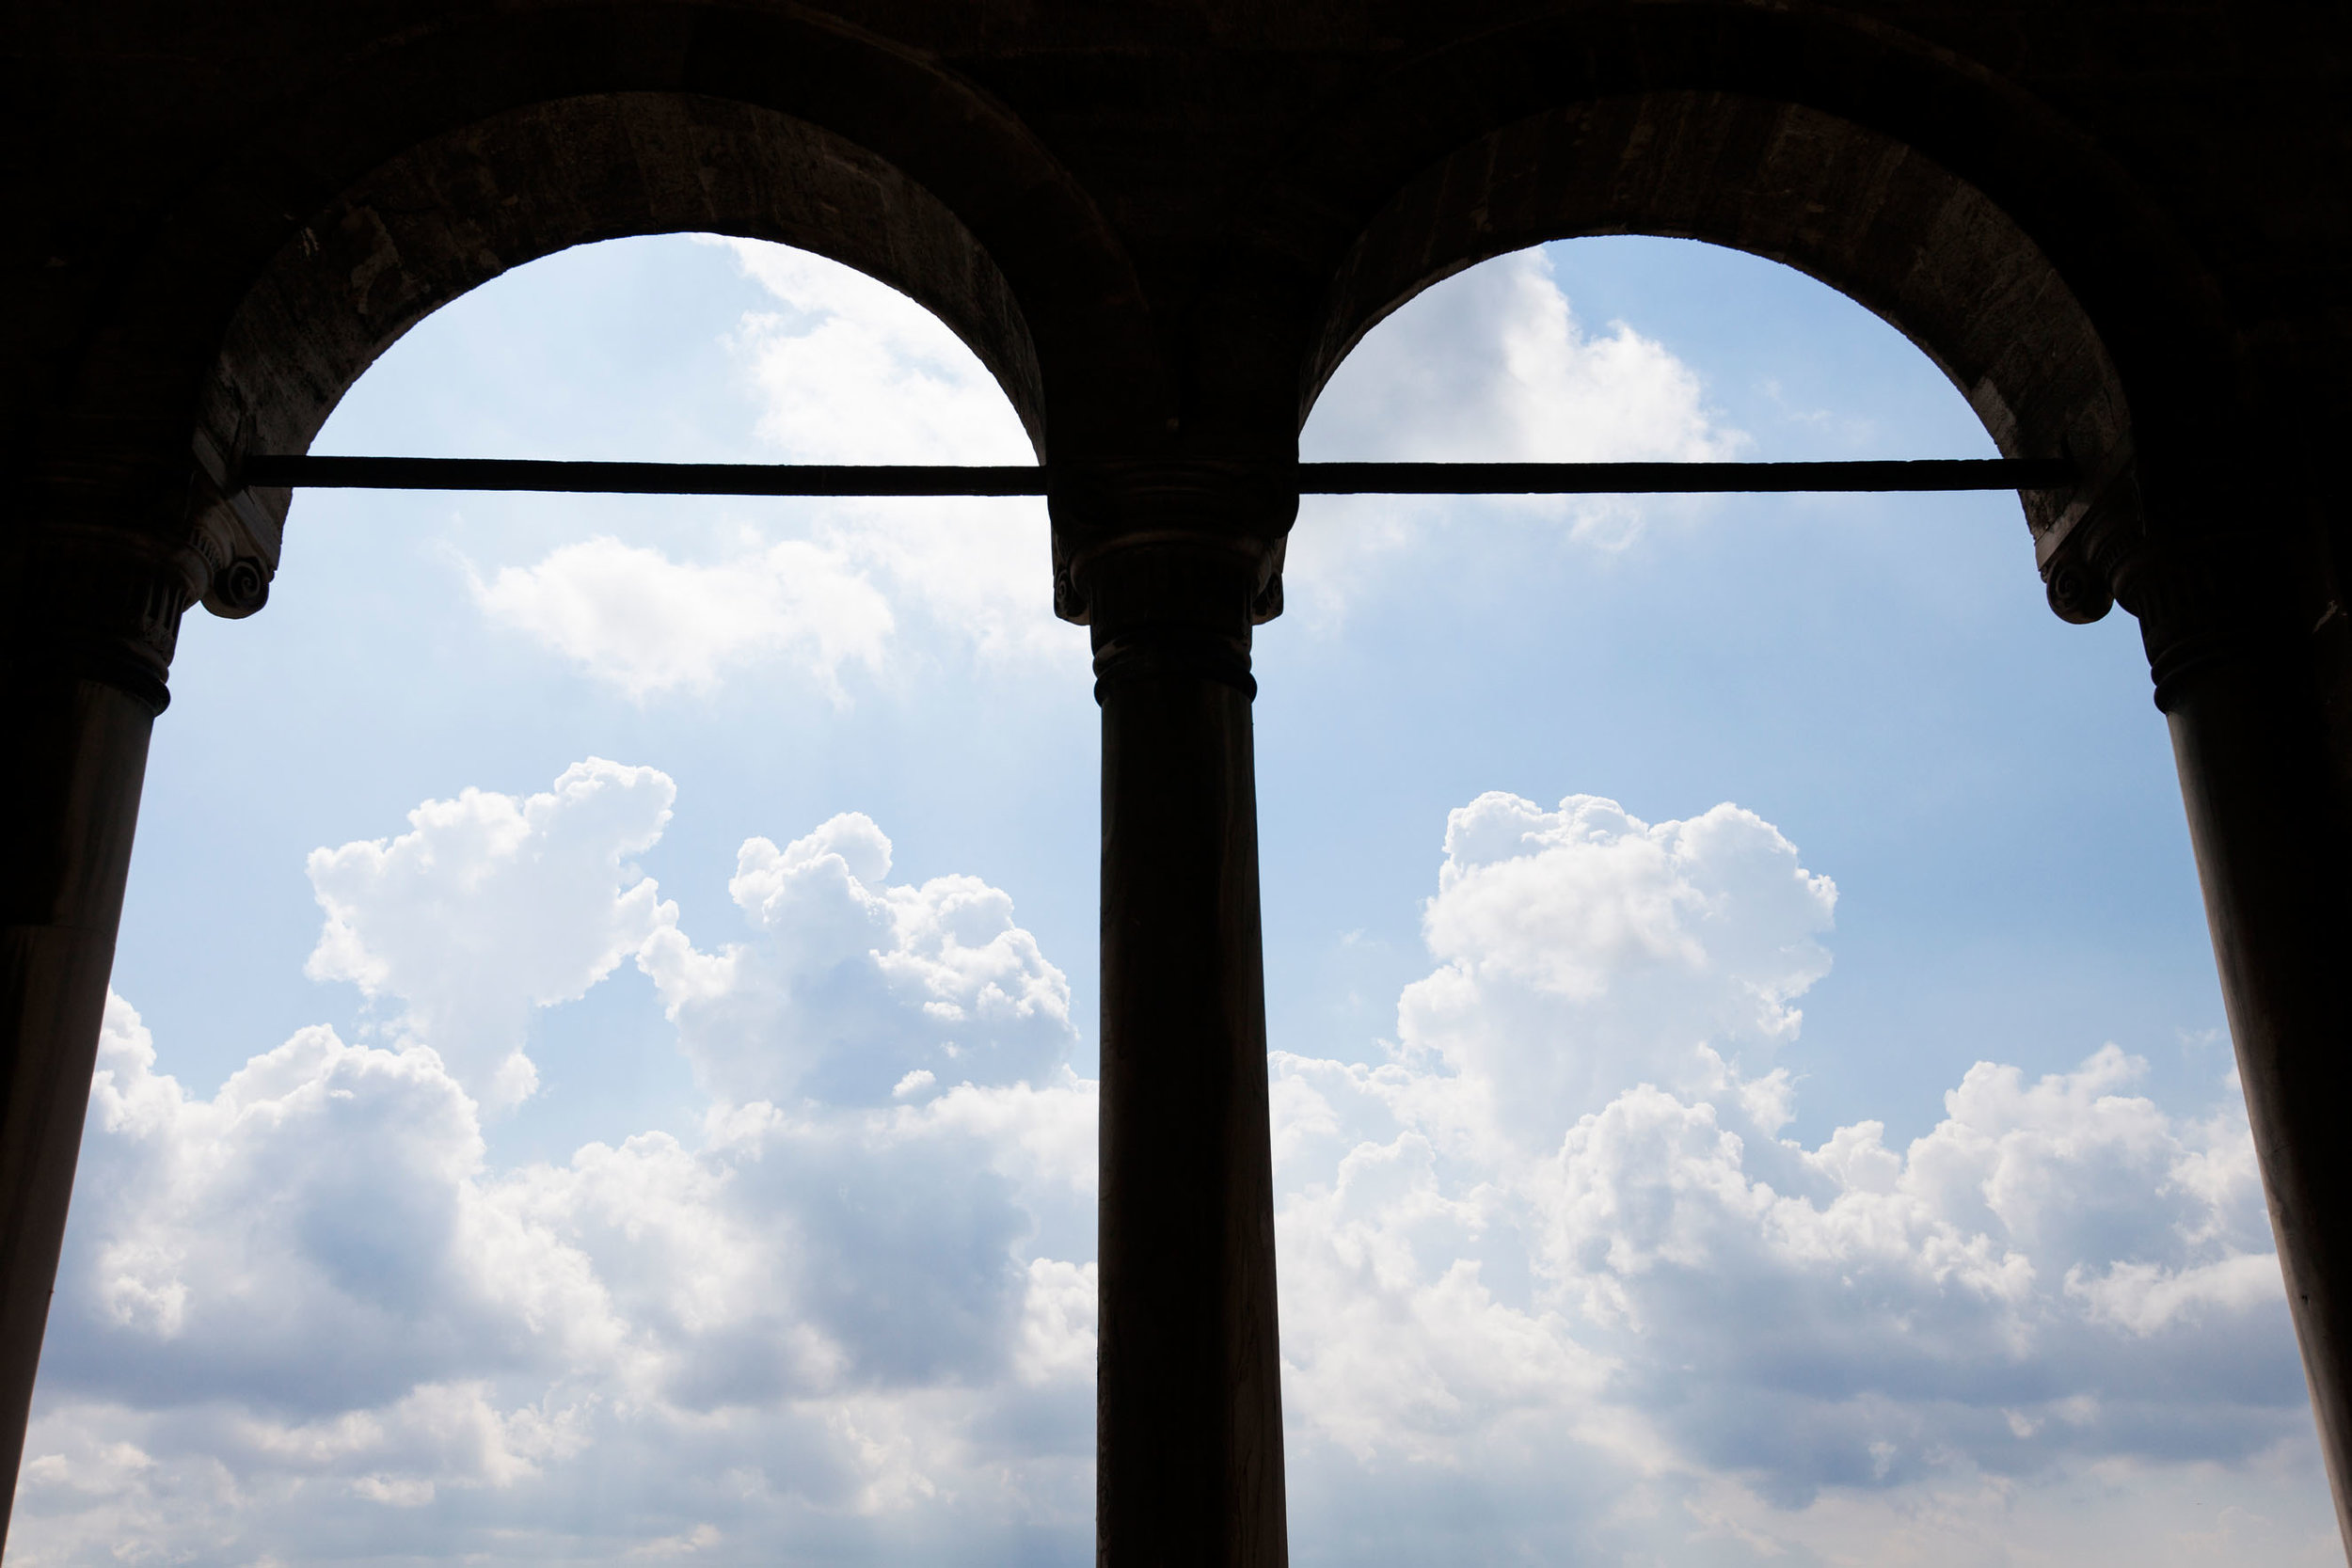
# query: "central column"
[[1173, 568], [2252, 660], [2260, 751]]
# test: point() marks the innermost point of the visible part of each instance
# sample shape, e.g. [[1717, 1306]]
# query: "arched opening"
[[1870, 217], [457, 212], [1878, 679], [1193, 243], [512, 755]]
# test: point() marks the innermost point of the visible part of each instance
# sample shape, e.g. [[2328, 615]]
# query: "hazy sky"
[[603, 1059]]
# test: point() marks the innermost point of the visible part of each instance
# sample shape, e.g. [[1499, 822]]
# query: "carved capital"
[[2201, 603], [2080, 561], [238, 530], [104, 604], [2200, 600], [1197, 509], [1173, 608], [102, 596]]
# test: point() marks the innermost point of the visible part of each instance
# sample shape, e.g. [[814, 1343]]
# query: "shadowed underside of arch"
[[460, 210], [1889, 227], [368, 179]]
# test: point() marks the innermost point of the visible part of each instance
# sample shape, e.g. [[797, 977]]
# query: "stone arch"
[[1888, 226], [458, 211], [366, 191], [1925, 185]]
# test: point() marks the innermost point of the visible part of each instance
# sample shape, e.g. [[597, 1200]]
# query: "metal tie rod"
[[1314, 479]]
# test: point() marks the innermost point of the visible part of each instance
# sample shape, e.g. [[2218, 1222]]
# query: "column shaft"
[[2270, 856], [1189, 1440], [79, 756], [94, 615]]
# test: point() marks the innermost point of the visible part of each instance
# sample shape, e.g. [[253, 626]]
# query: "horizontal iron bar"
[[1629, 479], [1314, 479], [642, 479]]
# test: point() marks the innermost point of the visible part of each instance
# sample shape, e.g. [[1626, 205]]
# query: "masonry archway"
[[1922, 249], [1161, 226], [2088, 333], [464, 208]]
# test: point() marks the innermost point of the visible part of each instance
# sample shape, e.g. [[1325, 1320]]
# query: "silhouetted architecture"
[[2122, 229]]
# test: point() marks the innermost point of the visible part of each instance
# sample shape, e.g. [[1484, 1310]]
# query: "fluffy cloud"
[[304, 1318], [827, 1002], [844, 370], [1492, 366], [1557, 1218], [1582, 949], [644, 624], [492, 905], [1554, 1284], [851, 370]]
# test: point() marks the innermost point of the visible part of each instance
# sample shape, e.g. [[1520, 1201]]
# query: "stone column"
[[2278, 886], [92, 619], [2252, 664], [1170, 569]]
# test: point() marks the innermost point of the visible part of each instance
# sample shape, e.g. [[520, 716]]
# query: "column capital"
[[1237, 510], [103, 601], [99, 590], [2202, 599], [102, 604]]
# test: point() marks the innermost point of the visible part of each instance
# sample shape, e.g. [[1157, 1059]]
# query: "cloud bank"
[[1554, 1284], [303, 1319]]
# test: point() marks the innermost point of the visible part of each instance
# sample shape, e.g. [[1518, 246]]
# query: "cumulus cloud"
[[1554, 1284], [850, 371], [1555, 1217], [492, 905], [844, 370], [1582, 949], [826, 1003], [304, 1317], [1492, 366]]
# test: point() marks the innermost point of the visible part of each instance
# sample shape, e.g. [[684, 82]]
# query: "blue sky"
[[1748, 1072]]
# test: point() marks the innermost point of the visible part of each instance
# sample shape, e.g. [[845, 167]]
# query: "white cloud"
[[644, 624], [856, 984], [851, 370], [1492, 366], [846, 371], [492, 905], [978, 571], [1553, 1284], [2148, 1298], [1582, 949], [1556, 1220], [304, 1319]]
